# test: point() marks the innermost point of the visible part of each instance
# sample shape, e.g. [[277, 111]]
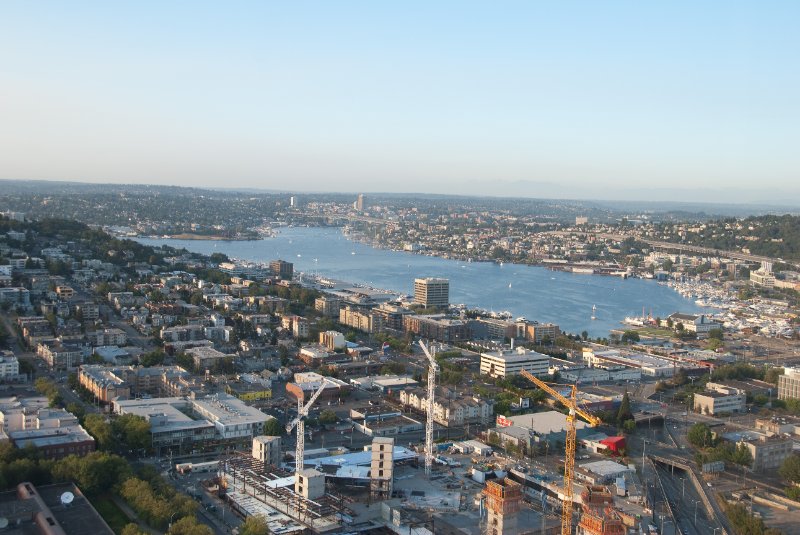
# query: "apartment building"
[[109, 337], [328, 306], [449, 408], [789, 384], [61, 357], [437, 327]]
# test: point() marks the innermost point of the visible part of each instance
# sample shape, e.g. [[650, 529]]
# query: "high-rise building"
[[293, 202], [381, 471], [431, 292], [281, 269], [359, 204]]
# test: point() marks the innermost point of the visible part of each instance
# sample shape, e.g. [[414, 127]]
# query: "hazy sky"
[[552, 99]]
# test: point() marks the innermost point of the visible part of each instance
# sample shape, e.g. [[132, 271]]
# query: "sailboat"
[[594, 312]]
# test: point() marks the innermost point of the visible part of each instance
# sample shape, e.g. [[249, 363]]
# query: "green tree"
[[700, 436], [100, 429], [254, 525], [715, 334], [133, 431], [153, 358], [790, 469], [624, 413], [77, 409], [189, 525], [327, 417], [629, 426], [772, 374], [630, 337], [273, 428], [94, 473], [132, 529], [741, 456]]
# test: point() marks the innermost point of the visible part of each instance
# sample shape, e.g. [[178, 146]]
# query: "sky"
[[680, 100]]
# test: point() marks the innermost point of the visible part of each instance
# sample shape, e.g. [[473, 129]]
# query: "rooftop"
[[78, 518], [519, 354]]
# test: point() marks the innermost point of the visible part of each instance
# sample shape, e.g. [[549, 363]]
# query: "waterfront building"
[[699, 324], [282, 270], [764, 279], [497, 328], [437, 327], [508, 362], [432, 292], [543, 332]]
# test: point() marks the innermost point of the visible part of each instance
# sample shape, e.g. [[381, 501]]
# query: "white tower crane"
[[300, 423], [433, 367]]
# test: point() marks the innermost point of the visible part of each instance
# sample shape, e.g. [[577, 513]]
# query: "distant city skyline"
[[618, 100]]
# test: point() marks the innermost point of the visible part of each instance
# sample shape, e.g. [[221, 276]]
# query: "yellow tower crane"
[[575, 410]]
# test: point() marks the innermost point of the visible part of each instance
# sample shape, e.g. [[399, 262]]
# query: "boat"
[[594, 312]]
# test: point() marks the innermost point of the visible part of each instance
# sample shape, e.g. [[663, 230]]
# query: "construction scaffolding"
[[503, 503], [275, 488], [599, 516]]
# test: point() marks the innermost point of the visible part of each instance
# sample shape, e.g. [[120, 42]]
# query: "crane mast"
[[433, 367], [300, 423], [575, 410]]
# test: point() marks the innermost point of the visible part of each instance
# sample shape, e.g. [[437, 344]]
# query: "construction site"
[[388, 488]]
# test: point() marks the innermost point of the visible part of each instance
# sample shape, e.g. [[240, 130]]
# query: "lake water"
[[530, 291]]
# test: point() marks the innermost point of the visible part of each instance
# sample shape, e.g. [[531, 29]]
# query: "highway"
[[690, 513]]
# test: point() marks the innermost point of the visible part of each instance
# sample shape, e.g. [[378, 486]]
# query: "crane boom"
[[433, 367], [575, 410], [300, 423], [303, 410]]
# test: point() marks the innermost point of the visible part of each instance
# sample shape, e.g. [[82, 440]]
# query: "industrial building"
[[649, 365], [530, 430]]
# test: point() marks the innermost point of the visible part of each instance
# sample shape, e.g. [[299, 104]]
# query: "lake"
[[534, 292]]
